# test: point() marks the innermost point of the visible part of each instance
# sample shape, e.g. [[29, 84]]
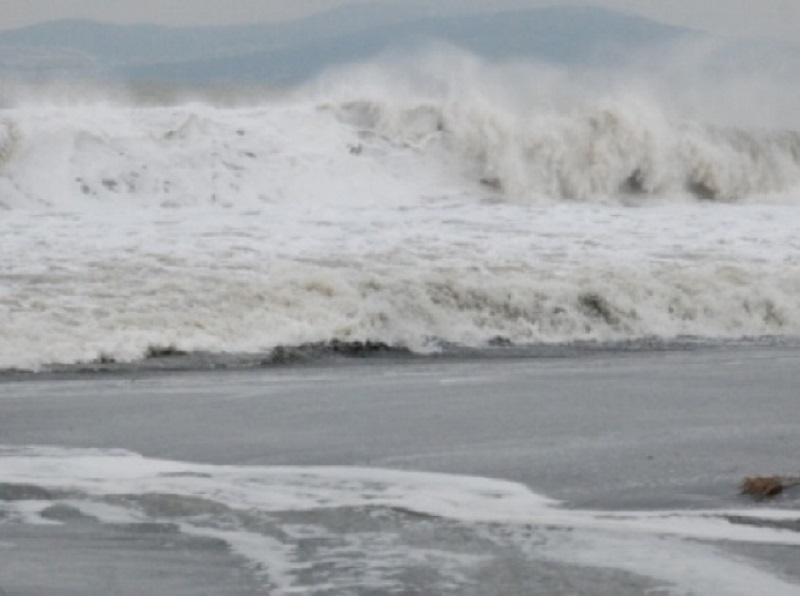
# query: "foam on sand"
[[227, 502]]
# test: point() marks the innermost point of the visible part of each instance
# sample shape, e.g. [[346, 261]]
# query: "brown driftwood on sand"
[[767, 487]]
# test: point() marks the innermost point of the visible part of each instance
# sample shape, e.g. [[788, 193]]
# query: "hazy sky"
[[773, 18]]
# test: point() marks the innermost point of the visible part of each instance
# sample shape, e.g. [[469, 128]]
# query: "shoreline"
[[170, 360], [617, 395], [644, 450]]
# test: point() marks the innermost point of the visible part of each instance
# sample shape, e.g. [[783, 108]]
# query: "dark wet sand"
[[91, 559], [615, 430], [643, 430]]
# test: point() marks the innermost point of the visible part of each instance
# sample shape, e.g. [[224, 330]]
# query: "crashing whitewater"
[[417, 217]]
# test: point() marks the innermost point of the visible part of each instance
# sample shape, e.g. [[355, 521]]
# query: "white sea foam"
[[594, 152], [448, 210], [8, 141], [121, 487]]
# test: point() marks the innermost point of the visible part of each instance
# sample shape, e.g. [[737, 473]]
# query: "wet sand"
[[613, 430], [606, 431]]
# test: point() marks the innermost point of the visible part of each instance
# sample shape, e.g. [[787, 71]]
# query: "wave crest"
[[611, 148], [420, 311], [9, 141]]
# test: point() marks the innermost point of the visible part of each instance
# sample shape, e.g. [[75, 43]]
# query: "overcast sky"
[[773, 18]]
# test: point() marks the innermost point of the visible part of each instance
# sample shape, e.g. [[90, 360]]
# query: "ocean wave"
[[454, 213], [609, 149], [138, 313], [318, 148]]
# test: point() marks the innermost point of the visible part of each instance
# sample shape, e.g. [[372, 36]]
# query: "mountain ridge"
[[286, 53]]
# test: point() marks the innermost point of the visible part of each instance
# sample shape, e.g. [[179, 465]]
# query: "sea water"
[[415, 212]]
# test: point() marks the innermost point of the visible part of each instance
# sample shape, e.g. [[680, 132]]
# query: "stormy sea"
[[434, 328]]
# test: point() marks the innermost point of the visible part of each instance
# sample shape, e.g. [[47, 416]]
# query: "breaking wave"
[[521, 143], [141, 313], [606, 150], [418, 215]]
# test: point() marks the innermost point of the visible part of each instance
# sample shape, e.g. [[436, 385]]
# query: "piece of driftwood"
[[767, 487]]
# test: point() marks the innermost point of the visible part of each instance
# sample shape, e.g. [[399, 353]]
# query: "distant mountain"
[[288, 52], [117, 45], [559, 34]]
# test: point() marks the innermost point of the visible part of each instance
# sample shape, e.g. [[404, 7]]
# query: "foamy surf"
[[278, 517], [611, 148], [614, 149], [418, 214], [114, 285]]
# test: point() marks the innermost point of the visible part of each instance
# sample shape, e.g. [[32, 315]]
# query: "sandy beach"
[[616, 432]]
